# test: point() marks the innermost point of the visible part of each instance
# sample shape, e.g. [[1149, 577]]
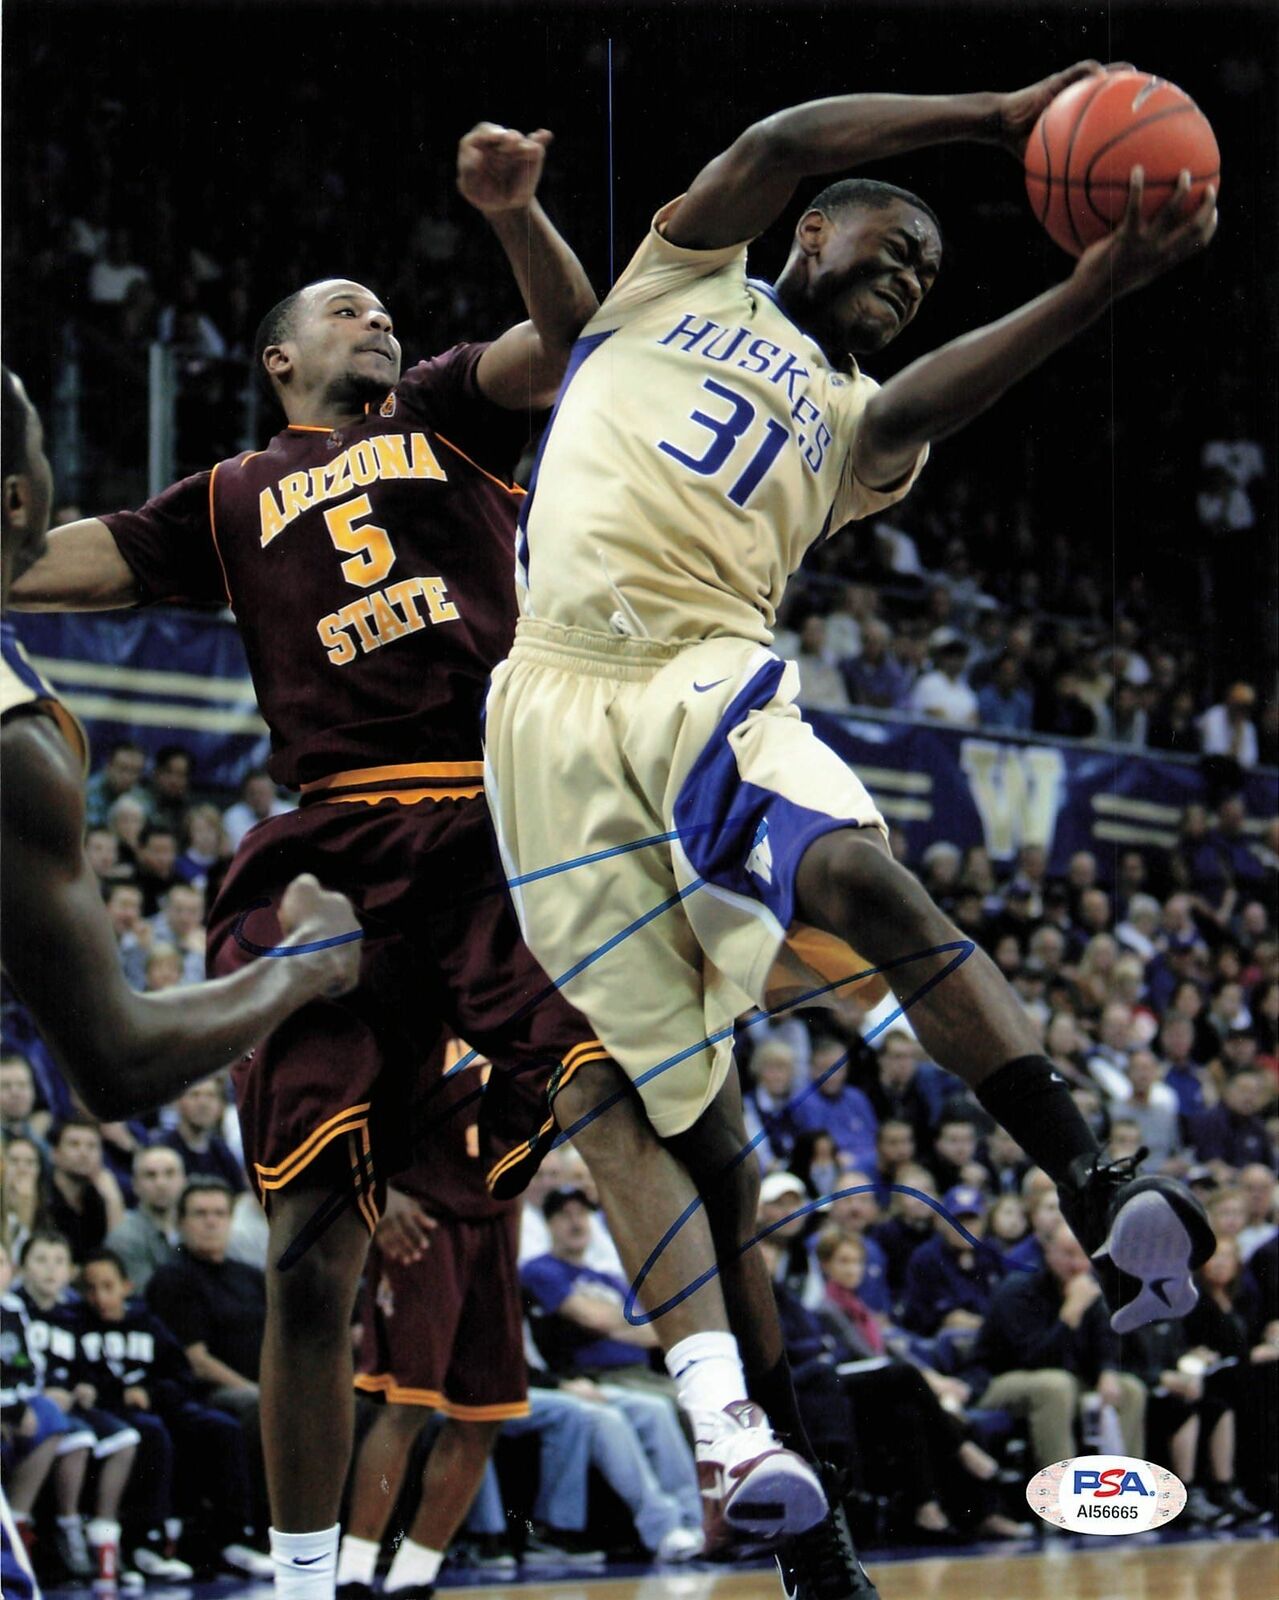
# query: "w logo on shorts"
[[760, 860]]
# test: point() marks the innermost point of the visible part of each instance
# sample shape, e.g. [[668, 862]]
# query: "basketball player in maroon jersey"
[[368, 555]]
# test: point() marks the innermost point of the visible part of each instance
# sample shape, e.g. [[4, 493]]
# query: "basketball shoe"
[[822, 1563], [750, 1479], [1145, 1235]]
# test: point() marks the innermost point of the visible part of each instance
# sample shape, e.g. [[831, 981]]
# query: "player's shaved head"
[[868, 194]]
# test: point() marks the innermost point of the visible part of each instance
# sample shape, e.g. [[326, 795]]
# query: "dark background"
[[293, 142]]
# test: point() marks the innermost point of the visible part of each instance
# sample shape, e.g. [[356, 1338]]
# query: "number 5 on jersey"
[[373, 557]]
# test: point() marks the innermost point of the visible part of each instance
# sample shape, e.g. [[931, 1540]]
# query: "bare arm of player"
[[747, 187], [498, 171], [127, 1052], [938, 394], [81, 570]]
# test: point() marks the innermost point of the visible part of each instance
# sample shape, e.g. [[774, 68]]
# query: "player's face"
[[871, 274], [341, 343]]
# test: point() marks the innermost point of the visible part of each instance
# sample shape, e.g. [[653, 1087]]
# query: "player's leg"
[[1147, 1233], [307, 1403], [454, 1471]]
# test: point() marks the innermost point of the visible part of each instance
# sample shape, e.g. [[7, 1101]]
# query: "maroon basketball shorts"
[[327, 1096], [447, 1331]]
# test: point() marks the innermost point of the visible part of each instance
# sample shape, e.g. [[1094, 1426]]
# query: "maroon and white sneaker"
[[749, 1479]]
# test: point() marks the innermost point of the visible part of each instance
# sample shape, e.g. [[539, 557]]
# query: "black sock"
[[775, 1391], [1033, 1103]]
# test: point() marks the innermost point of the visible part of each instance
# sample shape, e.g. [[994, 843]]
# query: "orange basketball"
[[1087, 142]]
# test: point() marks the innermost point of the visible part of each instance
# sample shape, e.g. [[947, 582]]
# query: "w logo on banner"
[[1018, 792]]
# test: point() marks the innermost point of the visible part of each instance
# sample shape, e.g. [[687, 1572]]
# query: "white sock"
[[413, 1563], [707, 1370], [71, 1520], [305, 1564], [357, 1560]]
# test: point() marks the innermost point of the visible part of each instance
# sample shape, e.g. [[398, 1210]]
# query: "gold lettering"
[[336, 477], [317, 484], [405, 595], [357, 614], [434, 592], [389, 626], [273, 519], [294, 491], [339, 647], [392, 456], [363, 459], [424, 463]]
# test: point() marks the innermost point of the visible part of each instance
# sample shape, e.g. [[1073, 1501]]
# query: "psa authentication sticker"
[[1106, 1494]]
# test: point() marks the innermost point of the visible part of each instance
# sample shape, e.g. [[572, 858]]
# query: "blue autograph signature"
[[959, 950]]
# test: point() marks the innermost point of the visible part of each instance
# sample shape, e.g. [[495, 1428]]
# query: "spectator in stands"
[[126, 819], [146, 1237], [1232, 1135], [1046, 1342], [50, 1314], [215, 1307], [909, 1224], [1139, 929], [894, 1149], [156, 858], [142, 1374], [768, 1104], [1007, 1226], [1242, 864], [259, 799], [120, 776], [1061, 711], [1227, 1011], [37, 1438], [876, 677], [949, 1281], [1129, 722], [581, 1329], [84, 1199], [24, 1192], [1227, 728], [1260, 1191], [835, 1107], [858, 1214], [943, 693], [201, 1148], [1173, 725], [820, 686], [169, 788], [102, 852], [1154, 1108], [1181, 1074], [180, 923], [1006, 702], [20, 1116], [954, 1158], [783, 1197], [895, 1094], [205, 850], [847, 621], [112, 274], [1043, 1211], [1006, 1161]]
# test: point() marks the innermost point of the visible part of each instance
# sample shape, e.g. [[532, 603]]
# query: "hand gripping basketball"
[[1140, 250]]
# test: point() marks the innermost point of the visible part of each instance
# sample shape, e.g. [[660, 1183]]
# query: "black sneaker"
[[1201, 1511], [822, 1564], [1235, 1510], [556, 1547], [1145, 1235]]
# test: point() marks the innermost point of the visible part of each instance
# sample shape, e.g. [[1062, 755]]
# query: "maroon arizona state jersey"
[[370, 568]]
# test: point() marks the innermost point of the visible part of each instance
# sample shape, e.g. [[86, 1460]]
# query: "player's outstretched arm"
[[126, 1052], [498, 171], [747, 187], [81, 570], [941, 392]]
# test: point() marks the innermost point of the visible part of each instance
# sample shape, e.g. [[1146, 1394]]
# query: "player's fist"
[[498, 169], [322, 931]]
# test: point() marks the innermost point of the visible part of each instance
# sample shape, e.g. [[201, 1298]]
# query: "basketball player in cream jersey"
[[680, 846]]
